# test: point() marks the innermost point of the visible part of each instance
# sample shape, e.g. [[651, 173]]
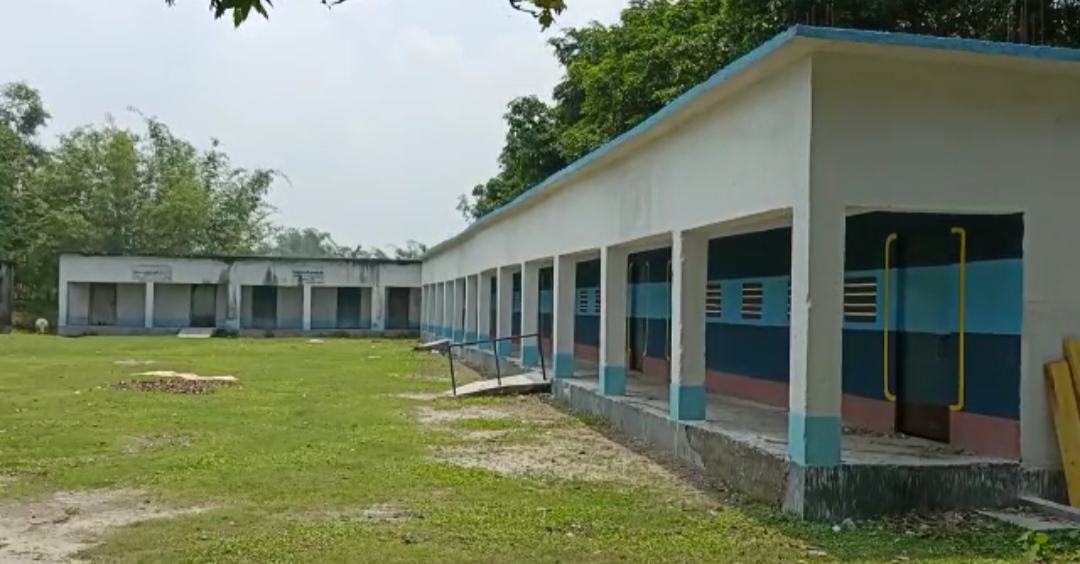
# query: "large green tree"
[[615, 76], [109, 189]]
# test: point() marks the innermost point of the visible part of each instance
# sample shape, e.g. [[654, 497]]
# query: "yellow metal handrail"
[[959, 405], [885, 315], [645, 316], [667, 331]]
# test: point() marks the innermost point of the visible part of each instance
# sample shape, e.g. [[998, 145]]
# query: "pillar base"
[[613, 380], [485, 342], [814, 440], [470, 337], [503, 349], [687, 403], [563, 365], [530, 355]]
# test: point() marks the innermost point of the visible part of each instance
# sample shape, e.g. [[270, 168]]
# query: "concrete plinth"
[[743, 445]]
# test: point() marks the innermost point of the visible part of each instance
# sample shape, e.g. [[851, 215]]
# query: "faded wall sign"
[[152, 273], [309, 276]]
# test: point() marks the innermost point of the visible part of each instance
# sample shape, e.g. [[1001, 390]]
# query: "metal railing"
[[450, 345]]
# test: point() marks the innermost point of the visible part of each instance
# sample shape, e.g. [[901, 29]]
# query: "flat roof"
[[826, 34], [239, 258]]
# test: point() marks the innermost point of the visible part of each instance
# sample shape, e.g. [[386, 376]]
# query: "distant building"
[[103, 294]]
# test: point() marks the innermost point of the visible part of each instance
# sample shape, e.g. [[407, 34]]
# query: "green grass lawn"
[[317, 458]]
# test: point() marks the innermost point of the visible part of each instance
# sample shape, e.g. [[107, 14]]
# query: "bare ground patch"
[[420, 396], [557, 446], [54, 530], [430, 416], [144, 443], [379, 513]]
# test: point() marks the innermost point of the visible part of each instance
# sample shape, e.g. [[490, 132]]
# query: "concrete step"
[[196, 333], [528, 383]]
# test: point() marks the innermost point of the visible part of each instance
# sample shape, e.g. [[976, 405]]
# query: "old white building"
[[841, 230], [248, 295]]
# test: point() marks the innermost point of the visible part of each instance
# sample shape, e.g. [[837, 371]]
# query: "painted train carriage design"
[[931, 330]]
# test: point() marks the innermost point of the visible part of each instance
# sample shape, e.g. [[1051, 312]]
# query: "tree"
[[530, 154], [107, 189], [307, 242], [543, 10], [615, 76], [413, 250], [22, 116]]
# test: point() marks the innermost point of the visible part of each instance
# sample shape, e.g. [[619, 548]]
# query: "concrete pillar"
[[233, 305], [613, 265], [423, 310], [429, 310], [564, 310], [307, 307], [436, 316], [530, 313], [148, 308], [504, 309], [817, 304], [689, 276], [458, 320], [447, 309], [378, 315], [471, 286], [440, 310], [483, 310]]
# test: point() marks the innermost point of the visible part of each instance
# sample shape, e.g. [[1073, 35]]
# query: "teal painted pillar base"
[[814, 440], [470, 337], [563, 365], [613, 380], [530, 355], [485, 342], [687, 403], [503, 349]]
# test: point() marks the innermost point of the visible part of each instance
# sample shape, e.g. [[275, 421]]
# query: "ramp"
[[196, 333], [528, 383]]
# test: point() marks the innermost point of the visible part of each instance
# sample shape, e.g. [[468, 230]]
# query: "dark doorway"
[[203, 305], [397, 308], [264, 307], [348, 308], [927, 356], [102, 304]]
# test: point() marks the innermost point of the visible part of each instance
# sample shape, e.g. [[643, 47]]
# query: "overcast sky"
[[380, 111]]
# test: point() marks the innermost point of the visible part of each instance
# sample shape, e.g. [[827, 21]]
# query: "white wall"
[[249, 272], [323, 308], [935, 136], [748, 154], [290, 307], [131, 305], [172, 305], [77, 310]]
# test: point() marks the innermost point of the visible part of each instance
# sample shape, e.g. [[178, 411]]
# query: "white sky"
[[379, 111]]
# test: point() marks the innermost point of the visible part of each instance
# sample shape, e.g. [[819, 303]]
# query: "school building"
[[830, 275], [252, 296]]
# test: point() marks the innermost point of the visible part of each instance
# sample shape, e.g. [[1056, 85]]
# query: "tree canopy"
[[615, 76], [239, 10], [111, 189]]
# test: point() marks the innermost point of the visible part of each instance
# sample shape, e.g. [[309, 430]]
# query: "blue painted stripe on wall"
[[993, 307]]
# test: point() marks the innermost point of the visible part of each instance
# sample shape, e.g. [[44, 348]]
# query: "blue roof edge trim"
[[1041, 52]]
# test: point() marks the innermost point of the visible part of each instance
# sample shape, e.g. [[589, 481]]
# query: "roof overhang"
[[777, 53]]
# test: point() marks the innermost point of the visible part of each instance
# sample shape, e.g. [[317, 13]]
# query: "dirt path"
[[56, 529]]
